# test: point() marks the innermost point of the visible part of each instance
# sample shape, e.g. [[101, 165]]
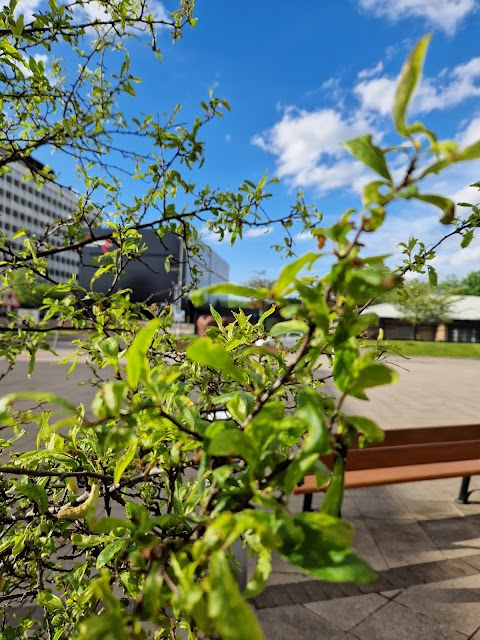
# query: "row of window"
[[22, 217], [42, 194], [35, 206]]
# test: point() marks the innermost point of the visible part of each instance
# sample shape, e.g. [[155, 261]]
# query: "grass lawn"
[[436, 349]]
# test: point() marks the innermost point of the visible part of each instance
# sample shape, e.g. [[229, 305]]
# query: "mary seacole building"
[[147, 277]]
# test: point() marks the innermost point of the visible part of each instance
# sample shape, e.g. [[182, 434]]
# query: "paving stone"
[[464, 566], [403, 542], [366, 547], [297, 593], [453, 603], [393, 593], [431, 509], [296, 621], [315, 590], [278, 577], [397, 622], [333, 591], [435, 571], [347, 613], [264, 600], [474, 561], [280, 596], [350, 589], [454, 536]]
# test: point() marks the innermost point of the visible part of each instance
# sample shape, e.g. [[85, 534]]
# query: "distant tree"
[[470, 285], [451, 284], [419, 303], [29, 290], [260, 281]]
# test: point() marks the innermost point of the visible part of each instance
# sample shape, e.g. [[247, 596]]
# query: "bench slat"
[[426, 435], [381, 457], [394, 475]]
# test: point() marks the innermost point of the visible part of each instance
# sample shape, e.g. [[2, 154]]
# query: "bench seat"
[[408, 455]]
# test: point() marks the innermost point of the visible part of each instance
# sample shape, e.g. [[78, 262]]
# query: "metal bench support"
[[464, 494]]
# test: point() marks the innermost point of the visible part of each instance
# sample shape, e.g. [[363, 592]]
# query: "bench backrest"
[[423, 445]]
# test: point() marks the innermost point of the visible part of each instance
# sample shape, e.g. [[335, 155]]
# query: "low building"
[[462, 325]]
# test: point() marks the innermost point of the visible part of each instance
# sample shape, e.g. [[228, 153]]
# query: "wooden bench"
[[408, 455]]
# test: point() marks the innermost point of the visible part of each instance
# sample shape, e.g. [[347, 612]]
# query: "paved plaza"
[[424, 546]]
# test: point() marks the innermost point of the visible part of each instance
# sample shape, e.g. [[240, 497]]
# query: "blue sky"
[[301, 79]]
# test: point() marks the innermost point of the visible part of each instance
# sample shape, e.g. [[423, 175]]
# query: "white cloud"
[[27, 8], [304, 236], [376, 95], [471, 133], [306, 143], [257, 233], [445, 14], [369, 73], [448, 89]]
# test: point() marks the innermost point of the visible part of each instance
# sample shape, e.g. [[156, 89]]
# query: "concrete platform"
[[424, 546]]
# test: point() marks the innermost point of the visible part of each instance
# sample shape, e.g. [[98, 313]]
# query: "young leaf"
[[137, 364], [36, 493], [232, 617], [124, 461], [289, 273], [213, 355], [234, 443], [409, 78], [332, 502], [371, 155]]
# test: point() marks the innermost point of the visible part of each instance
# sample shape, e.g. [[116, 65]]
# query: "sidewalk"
[[424, 546]]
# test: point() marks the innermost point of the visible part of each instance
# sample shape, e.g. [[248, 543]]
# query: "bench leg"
[[307, 502], [464, 492]]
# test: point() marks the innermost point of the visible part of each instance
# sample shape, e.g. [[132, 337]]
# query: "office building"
[[24, 206]]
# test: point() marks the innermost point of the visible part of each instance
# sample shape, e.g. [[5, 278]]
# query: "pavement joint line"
[[401, 577]]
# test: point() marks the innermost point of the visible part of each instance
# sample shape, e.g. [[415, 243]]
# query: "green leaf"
[[289, 325], [102, 627], [232, 617], [110, 551], [109, 347], [109, 524], [199, 296], [312, 411], [39, 396], [371, 155], [409, 78], [36, 493], [137, 364], [124, 461], [375, 374], [320, 545], [210, 354], [372, 433], [332, 502], [49, 601], [235, 443], [432, 276], [286, 279], [445, 204], [467, 238]]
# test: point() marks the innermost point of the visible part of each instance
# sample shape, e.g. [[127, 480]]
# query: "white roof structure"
[[462, 308]]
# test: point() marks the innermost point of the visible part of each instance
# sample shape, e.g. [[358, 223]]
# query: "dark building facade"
[[148, 278]]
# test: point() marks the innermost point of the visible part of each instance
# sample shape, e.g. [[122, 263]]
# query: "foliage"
[[467, 286], [419, 303], [123, 517], [30, 290]]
